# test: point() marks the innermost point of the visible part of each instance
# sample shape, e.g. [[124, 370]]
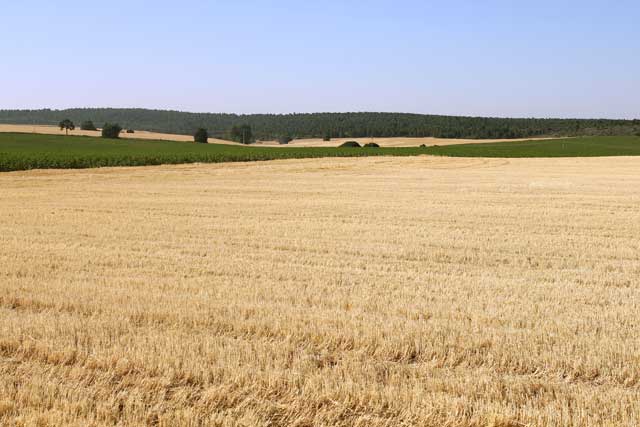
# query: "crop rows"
[[31, 151]]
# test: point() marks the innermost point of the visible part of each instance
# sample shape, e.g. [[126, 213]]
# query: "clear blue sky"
[[490, 58]]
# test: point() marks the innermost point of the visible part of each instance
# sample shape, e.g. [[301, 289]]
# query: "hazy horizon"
[[497, 59]]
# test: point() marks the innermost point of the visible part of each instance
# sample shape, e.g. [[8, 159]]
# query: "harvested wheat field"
[[328, 292]]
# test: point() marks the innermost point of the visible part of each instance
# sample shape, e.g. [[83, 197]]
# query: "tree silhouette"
[[201, 136], [67, 125]]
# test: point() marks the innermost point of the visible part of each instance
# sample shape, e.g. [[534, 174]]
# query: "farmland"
[[138, 134], [307, 142], [381, 291], [20, 151], [32, 151]]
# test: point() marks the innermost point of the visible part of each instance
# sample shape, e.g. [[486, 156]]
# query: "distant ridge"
[[318, 125]]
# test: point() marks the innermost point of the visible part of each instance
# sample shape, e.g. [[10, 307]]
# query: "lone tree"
[[67, 125], [201, 136], [87, 125], [111, 130], [241, 134]]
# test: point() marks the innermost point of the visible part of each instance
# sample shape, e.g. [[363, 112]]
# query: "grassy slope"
[[30, 151], [573, 147]]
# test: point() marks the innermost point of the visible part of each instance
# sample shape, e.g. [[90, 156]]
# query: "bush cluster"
[[111, 130], [350, 144], [201, 136], [87, 125]]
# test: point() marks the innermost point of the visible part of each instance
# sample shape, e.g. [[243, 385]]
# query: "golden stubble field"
[[329, 292]]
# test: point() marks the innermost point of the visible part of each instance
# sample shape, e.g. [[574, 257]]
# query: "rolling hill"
[[334, 125]]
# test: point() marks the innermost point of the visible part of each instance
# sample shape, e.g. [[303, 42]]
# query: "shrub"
[[284, 139], [131, 131], [350, 144], [371, 145], [423, 146], [241, 134], [111, 130], [201, 136], [87, 125]]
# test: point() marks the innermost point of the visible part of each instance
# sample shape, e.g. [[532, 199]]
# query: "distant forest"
[[323, 125]]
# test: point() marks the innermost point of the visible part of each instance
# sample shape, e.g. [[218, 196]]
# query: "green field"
[[32, 151], [568, 147]]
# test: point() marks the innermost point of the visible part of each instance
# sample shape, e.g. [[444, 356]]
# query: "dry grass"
[[331, 292]]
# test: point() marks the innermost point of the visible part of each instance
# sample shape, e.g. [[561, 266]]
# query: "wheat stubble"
[[327, 292]]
